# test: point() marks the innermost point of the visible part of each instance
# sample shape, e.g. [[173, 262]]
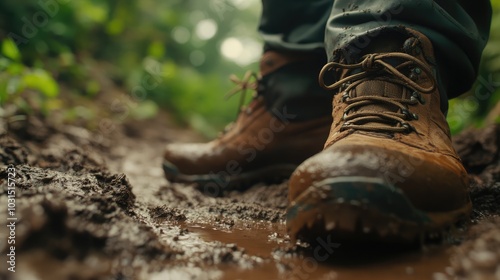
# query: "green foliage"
[[17, 78], [163, 53], [477, 107], [68, 38], [10, 50]]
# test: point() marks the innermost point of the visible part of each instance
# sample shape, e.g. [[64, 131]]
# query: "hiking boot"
[[388, 171], [286, 122]]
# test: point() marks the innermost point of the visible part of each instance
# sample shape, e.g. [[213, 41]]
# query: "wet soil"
[[99, 208]]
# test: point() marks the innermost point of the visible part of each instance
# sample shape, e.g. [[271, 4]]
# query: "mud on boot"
[[388, 172]]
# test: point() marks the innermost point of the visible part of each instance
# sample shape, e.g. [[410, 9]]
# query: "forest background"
[[56, 58]]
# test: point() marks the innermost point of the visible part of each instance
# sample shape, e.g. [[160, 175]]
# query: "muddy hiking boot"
[[388, 172], [286, 122]]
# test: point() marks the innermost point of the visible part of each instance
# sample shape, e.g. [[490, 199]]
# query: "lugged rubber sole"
[[362, 209], [215, 184]]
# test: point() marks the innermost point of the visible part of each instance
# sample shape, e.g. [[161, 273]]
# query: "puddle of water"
[[257, 240], [362, 264]]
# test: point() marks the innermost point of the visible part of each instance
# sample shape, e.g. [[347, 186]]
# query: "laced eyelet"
[[422, 100], [417, 96], [345, 85], [415, 72], [344, 116], [345, 96], [407, 75], [409, 115], [408, 127]]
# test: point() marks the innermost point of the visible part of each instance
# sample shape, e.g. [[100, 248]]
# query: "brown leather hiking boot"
[[388, 171], [280, 128]]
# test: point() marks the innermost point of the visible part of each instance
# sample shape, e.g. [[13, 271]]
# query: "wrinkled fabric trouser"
[[458, 30]]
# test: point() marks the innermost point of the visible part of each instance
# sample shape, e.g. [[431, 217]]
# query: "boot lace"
[[250, 81], [376, 67]]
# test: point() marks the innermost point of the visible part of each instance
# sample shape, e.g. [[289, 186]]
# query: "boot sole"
[[362, 209], [215, 184]]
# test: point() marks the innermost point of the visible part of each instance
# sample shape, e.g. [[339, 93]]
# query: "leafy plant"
[[480, 106], [165, 54], [23, 88]]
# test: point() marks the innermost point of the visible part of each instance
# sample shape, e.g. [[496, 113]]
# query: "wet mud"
[[89, 209]]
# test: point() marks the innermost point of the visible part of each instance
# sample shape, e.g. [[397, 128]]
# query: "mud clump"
[[78, 220], [33, 127], [478, 257], [72, 210], [73, 160], [11, 152], [480, 154], [478, 149], [164, 213], [265, 203]]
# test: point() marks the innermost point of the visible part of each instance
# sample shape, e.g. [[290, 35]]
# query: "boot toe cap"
[[432, 181]]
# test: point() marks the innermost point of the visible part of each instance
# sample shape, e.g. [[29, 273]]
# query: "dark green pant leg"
[[295, 25], [458, 30]]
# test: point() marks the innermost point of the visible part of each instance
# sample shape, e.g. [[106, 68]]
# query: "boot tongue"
[[374, 87], [377, 88]]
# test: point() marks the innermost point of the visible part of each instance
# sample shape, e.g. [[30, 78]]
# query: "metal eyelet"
[[417, 96], [345, 96], [415, 72], [422, 100], [408, 127], [345, 85], [409, 115]]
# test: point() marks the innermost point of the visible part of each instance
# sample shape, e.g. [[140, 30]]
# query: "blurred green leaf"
[[10, 50], [156, 49], [40, 80], [115, 26]]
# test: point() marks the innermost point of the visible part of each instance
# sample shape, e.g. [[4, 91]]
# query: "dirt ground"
[[92, 207]]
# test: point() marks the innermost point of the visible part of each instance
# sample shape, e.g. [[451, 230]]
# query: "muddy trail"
[[89, 207]]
